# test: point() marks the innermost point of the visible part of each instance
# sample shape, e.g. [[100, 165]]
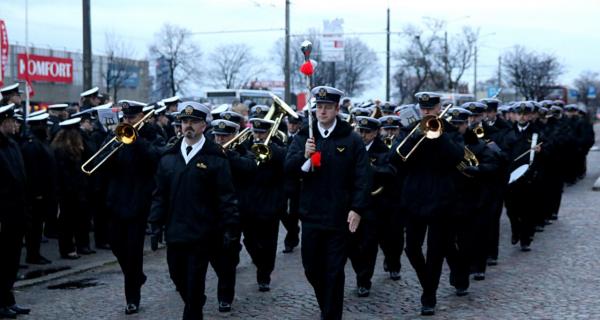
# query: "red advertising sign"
[[3, 50], [42, 68]]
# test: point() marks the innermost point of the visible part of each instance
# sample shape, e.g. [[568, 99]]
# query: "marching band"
[[206, 181]]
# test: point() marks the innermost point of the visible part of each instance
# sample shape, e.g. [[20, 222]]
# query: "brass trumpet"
[[479, 132], [470, 160], [278, 109], [430, 126], [124, 134], [389, 141]]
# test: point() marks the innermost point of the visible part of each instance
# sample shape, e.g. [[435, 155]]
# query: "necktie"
[[188, 149], [326, 132]]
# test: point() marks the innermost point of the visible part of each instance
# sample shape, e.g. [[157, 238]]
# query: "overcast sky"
[[568, 29]]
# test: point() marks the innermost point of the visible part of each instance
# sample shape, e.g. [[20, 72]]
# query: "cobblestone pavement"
[[558, 279]]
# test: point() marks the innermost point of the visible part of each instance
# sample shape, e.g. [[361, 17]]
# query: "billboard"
[[125, 76], [332, 41], [3, 50], [44, 69]]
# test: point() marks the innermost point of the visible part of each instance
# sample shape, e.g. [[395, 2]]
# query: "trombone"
[[430, 126], [278, 109], [125, 133]]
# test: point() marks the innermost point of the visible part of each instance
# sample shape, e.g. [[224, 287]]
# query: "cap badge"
[[256, 123], [455, 113], [189, 110], [227, 116], [222, 125], [322, 93], [364, 122], [125, 105], [390, 120], [425, 97]]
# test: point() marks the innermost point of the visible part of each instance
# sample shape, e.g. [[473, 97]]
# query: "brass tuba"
[[238, 139]]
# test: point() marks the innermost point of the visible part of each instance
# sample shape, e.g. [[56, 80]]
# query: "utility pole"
[[387, 59], [87, 46], [287, 85], [475, 72], [499, 72], [447, 75]]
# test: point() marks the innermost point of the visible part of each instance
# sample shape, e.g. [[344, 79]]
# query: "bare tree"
[[455, 55], [120, 66], [586, 80], [531, 73], [359, 68], [173, 44], [232, 66], [415, 69]]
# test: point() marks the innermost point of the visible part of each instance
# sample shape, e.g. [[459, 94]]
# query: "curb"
[[74, 271], [596, 186]]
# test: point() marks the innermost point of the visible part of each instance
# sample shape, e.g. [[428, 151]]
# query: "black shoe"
[[479, 276], [19, 310], [461, 292], [554, 216], [38, 260], [288, 249], [132, 308], [514, 239], [86, 251], [395, 275], [385, 267], [525, 248], [492, 262], [224, 306], [427, 311], [70, 256], [264, 287], [539, 229], [103, 246], [7, 313], [363, 292], [547, 222]]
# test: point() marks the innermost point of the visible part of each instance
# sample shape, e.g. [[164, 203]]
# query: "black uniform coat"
[[267, 184], [340, 185], [516, 143], [40, 165], [196, 201], [130, 174], [429, 187], [496, 131], [243, 168], [384, 175], [12, 184]]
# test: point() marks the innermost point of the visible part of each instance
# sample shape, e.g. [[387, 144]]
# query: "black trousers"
[[362, 251], [429, 268], [496, 206], [324, 255], [187, 267], [290, 222], [127, 244], [40, 210], [260, 239], [73, 223], [11, 240], [459, 252], [390, 234], [520, 209], [225, 264]]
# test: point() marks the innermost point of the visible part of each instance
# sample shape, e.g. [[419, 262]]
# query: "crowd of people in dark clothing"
[[360, 178]]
